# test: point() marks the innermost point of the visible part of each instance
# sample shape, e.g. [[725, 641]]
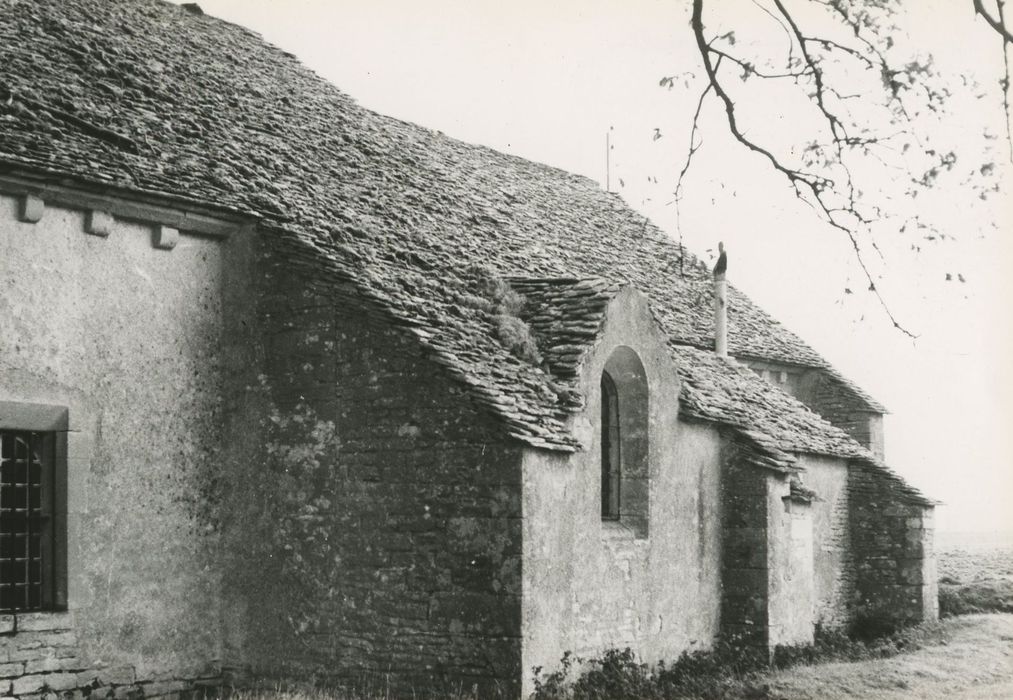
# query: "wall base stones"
[[40, 657]]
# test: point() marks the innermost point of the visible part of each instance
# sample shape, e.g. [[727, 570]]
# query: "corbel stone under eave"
[[104, 204], [31, 209]]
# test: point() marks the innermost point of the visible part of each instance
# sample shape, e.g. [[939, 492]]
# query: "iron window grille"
[[27, 487]]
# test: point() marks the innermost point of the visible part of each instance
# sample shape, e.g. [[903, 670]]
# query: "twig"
[[802, 182], [999, 25], [693, 148], [1001, 4]]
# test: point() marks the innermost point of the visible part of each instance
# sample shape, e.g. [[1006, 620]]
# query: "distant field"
[[975, 573]]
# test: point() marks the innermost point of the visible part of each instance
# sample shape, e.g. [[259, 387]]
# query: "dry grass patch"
[[975, 577]]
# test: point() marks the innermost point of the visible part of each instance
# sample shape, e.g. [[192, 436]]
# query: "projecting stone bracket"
[[98, 223], [103, 206], [166, 237], [31, 209]]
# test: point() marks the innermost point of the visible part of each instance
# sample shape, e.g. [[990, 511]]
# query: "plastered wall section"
[[132, 340], [380, 531], [791, 595], [833, 565], [591, 585]]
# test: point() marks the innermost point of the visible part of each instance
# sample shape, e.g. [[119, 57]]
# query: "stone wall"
[[744, 560], [132, 342], [43, 657], [591, 584], [842, 407], [829, 397], [893, 549], [787, 562], [380, 538]]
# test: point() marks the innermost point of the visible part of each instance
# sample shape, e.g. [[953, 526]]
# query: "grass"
[[963, 658], [975, 578], [367, 690], [725, 673]]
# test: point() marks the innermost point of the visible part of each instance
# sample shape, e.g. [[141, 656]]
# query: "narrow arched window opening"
[[611, 443], [625, 442]]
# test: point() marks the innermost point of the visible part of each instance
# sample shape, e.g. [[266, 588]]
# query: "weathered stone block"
[[34, 651], [118, 675], [31, 209], [28, 684], [98, 223], [745, 581], [912, 573], [52, 663], [127, 692], [88, 678], [61, 681], [166, 237], [10, 670], [44, 622]]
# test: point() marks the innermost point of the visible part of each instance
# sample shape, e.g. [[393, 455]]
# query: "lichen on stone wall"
[[301, 450]]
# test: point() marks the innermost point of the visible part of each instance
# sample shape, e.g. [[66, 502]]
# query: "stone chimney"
[[721, 304]]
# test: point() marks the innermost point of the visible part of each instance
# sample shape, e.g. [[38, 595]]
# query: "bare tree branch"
[[693, 148], [999, 25], [809, 187], [750, 69], [1001, 5]]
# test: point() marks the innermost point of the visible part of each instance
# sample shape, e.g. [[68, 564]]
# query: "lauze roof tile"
[[155, 98]]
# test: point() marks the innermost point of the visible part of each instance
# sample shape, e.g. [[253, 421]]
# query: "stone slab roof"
[[566, 316], [148, 97]]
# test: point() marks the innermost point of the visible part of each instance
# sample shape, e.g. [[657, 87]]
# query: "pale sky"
[[547, 81]]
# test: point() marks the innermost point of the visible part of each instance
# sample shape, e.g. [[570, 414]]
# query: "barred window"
[[27, 489]]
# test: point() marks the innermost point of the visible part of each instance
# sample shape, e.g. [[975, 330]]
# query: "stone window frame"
[[54, 420], [626, 372]]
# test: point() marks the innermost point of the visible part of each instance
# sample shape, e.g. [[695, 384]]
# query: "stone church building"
[[293, 390]]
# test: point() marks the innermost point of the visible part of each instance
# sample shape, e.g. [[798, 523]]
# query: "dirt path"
[[974, 662]]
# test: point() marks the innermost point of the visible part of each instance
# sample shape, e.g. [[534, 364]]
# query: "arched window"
[[625, 472], [610, 445]]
